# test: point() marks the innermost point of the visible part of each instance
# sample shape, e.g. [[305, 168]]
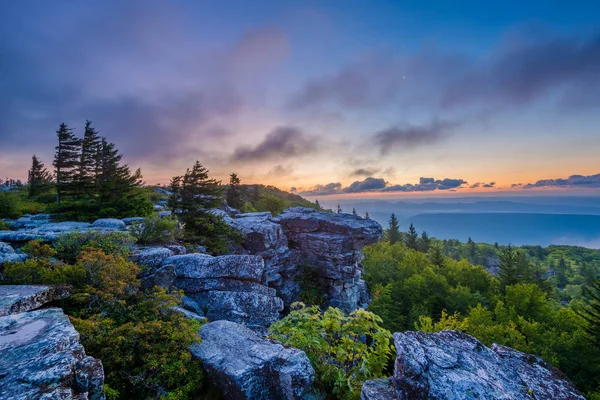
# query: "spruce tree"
[[472, 250], [66, 161], [436, 255], [392, 233], [412, 238], [339, 209], [425, 242], [318, 204], [234, 194], [90, 161], [367, 215], [39, 178], [591, 310], [510, 270], [354, 211]]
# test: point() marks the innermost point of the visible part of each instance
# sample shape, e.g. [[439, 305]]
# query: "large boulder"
[[150, 257], [109, 223], [302, 240], [246, 366], [43, 359], [231, 287], [455, 366], [16, 299]]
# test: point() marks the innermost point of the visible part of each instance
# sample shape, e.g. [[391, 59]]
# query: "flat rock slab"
[[245, 366], [16, 299], [43, 359], [455, 366]]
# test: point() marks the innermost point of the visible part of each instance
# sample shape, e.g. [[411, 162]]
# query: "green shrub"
[[344, 350], [311, 293], [4, 226], [157, 229], [39, 250], [10, 205], [69, 246], [41, 271]]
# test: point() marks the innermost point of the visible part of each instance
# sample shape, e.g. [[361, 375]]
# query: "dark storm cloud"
[[591, 181], [522, 69], [409, 137], [365, 171], [282, 142], [133, 68], [380, 185]]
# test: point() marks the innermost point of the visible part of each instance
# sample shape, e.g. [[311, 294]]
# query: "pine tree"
[[436, 255], [514, 267], [66, 161], [115, 182], [412, 239], [591, 310], [90, 164], [39, 178], [367, 215], [354, 211], [561, 274], [317, 204], [392, 233], [425, 242], [472, 250], [339, 209], [234, 194]]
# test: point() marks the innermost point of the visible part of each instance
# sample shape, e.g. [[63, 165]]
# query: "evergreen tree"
[[425, 242], [436, 255], [234, 193], [317, 203], [354, 211], [90, 164], [591, 311], [367, 215], [339, 209], [39, 178], [511, 268], [194, 194], [412, 239], [472, 250], [392, 233], [66, 161], [561, 273]]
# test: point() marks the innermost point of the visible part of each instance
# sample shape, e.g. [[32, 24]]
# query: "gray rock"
[[176, 249], [109, 223], [150, 257], [189, 314], [9, 255], [42, 359], [163, 276], [257, 311], [62, 227], [190, 305], [455, 366], [246, 366], [378, 389], [163, 191], [132, 220], [16, 299], [163, 214], [157, 207], [203, 266]]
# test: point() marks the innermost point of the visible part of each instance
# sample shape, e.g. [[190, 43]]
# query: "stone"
[[157, 207], [189, 314], [132, 220], [203, 266], [245, 366], [109, 223], [8, 254], [163, 276], [455, 366], [150, 257], [177, 249], [163, 214], [16, 299], [163, 191], [43, 359], [378, 389]]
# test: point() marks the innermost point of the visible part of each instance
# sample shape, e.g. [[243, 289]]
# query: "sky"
[[364, 98]]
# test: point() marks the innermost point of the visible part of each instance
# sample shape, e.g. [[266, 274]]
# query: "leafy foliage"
[[70, 245], [156, 229], [344, 350]]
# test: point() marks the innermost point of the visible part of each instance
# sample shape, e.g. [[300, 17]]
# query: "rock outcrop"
[[232, 287], [329, 245], [246, 366], [41, 354], [8, 254], [455, 366]]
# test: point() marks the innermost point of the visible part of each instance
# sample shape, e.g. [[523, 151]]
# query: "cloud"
[[409, 137], [380, 185], [280, 170], [591, 181], [522, 69], [365, 171], [482, 185], [282, 142]]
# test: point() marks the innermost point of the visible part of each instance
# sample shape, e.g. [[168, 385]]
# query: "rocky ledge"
[[41, 354], [246, 366], [300, 240], [455, 366]]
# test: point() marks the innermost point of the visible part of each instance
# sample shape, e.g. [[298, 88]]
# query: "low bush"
[[4, 226], [157, 229], [69, 246], [10, 205], [344, 350]]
